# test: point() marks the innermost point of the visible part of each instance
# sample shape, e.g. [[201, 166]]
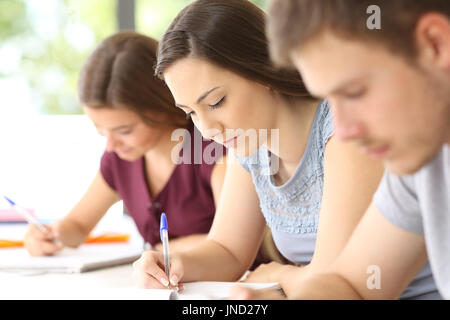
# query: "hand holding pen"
[[159, 270], [164, 233], [41, 243]]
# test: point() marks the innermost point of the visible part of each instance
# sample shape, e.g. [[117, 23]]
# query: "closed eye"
[[355, 94], [189, 115], [217, 105]]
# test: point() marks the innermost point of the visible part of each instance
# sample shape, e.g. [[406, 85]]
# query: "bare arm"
[[232, 242], [376, 244], [350, 181], [235, 234]]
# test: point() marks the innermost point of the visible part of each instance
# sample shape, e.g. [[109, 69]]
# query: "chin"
[[401, 169], [128, 157], [409, 164]]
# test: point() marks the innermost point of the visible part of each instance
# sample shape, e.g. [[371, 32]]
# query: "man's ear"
[[433, 41]]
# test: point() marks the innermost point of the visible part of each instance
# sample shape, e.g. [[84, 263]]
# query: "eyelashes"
[[356, 94], [211, 107], [218, 104]]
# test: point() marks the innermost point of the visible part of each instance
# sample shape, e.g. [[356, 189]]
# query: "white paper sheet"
[[86, 257]]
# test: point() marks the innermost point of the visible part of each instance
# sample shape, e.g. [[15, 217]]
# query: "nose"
[[346, 124], [209, 127], [110, 143]]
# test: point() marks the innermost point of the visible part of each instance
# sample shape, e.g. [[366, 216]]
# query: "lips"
[[124, 151], [376, 152]]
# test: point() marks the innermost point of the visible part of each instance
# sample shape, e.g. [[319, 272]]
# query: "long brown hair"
[[119, 74], [230, 34]]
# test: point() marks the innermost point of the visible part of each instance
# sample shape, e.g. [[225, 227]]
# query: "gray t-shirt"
[[292, 210], [420, 203]]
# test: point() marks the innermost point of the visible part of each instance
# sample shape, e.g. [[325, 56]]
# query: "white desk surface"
[[86, 285]]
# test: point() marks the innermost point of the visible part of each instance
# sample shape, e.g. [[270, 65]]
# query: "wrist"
[[287, 273], [279, 273], [68, 232]]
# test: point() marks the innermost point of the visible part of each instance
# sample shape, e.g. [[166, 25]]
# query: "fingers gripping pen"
[[164, 233]]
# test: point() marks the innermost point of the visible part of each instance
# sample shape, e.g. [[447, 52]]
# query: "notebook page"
[[131, 293], [216, 290], [84, 258], [201, 290]]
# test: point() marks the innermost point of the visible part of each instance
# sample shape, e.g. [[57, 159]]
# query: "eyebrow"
[[124, 126], [343, 86], [203, 96]]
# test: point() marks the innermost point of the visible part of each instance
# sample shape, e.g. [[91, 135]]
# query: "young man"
[[388, 84]]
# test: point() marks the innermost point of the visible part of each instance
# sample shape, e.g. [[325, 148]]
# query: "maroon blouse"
[[186, 199]]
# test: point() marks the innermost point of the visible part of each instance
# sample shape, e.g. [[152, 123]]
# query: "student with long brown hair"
[[310, 188], [134, 110]]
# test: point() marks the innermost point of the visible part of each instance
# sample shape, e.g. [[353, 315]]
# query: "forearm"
[[293, 277], [211, 261], [183, 243], [290, 277], [324, 286], [70, 233]]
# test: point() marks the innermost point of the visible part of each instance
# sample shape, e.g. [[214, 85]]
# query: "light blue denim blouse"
[[292, 209]]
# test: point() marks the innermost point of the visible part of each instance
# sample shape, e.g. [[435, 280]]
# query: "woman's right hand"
[[39, 243], [148, 271]]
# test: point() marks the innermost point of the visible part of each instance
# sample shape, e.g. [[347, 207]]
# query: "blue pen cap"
[[163, 225], [9, 200]]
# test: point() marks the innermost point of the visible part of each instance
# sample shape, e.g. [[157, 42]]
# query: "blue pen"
[[164, 233], [26, 214]]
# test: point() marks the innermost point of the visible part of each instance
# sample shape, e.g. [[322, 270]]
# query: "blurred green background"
[[44, 43]]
